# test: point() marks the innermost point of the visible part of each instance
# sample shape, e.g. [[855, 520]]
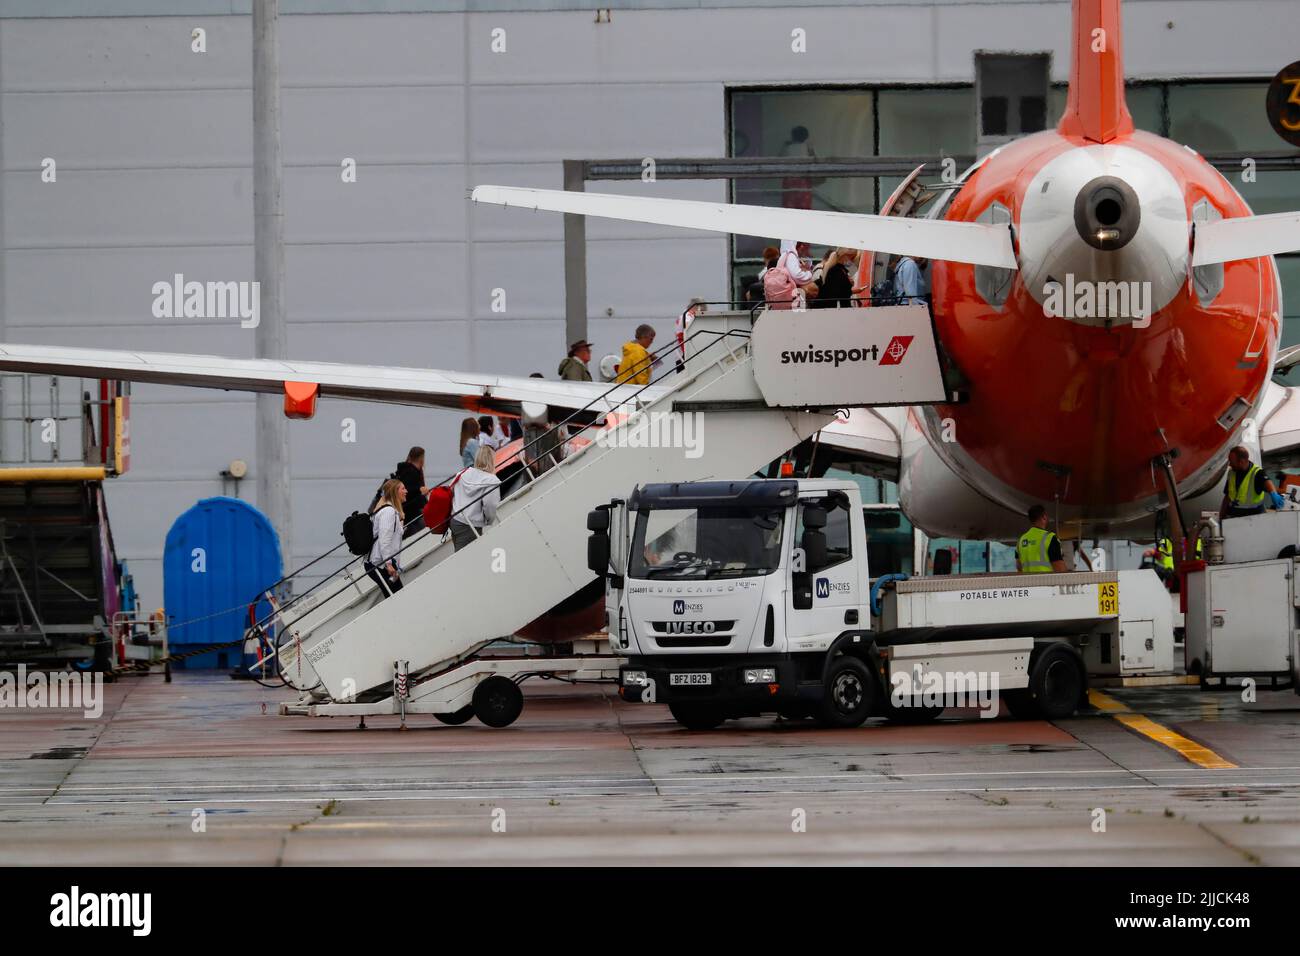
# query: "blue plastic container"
[[220, 555]]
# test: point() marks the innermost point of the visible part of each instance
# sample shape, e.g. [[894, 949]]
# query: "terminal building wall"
[[153, 146]]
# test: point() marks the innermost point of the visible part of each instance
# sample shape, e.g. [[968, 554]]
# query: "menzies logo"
[[896, 349], [679, 607], [825, 586]]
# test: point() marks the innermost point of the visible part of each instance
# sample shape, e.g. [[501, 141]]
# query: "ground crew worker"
[[1247, 487], [1039, 551], [1165, 553]]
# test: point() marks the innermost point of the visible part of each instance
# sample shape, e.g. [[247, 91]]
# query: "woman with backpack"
[[469, 441], [782, 284], [384, 565], [475, 499]]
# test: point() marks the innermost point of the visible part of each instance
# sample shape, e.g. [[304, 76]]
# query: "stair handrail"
[[269, 592]]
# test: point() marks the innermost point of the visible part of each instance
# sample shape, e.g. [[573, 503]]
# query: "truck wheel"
[[912, 714], [696, 716], [456, 718], [497, 702], [849, 694], [1057, 682]]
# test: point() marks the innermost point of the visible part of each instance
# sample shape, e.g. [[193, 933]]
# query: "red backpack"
[[437, 511]]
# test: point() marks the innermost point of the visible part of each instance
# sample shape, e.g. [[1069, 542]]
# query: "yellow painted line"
[[1172, 680], [1189, 750], [66, 473], [1104, 702]]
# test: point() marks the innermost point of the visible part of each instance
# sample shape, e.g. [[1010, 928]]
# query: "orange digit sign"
[[1294, 98], [1283, 104]]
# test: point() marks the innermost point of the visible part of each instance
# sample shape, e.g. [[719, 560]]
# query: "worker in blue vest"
[[1039, 551], [1247, 488]]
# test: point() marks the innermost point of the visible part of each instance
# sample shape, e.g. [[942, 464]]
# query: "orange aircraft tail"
[[1095, 108]]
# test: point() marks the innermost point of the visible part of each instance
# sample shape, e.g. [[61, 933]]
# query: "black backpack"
[[358, 533], [885, 293], [379, 493]]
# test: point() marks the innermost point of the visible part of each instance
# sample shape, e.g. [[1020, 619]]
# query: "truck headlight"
[[635, 679], [760, 675]]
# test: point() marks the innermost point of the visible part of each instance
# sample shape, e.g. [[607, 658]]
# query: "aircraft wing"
[[1246, 237], [981, 244], [481, 394]]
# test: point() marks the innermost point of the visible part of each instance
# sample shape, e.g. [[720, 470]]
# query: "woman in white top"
[[789, 260], [385, 562], [475, 499]]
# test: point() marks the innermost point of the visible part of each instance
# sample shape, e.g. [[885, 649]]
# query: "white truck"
[[737, 598]]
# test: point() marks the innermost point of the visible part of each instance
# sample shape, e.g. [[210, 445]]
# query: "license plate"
[[690, 680]]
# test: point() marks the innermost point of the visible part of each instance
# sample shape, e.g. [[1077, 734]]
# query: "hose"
[[875, 590]]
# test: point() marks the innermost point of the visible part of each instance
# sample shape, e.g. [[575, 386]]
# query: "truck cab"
[[727, 596]]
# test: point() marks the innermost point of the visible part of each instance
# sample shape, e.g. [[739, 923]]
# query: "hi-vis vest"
[[1241, 489], [1032, 551], [1166, 552]]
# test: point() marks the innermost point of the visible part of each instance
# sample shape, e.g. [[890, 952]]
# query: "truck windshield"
[[706, 543]]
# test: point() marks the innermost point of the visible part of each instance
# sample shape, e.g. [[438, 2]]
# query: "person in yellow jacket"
[[1039, 551], [634, 369]]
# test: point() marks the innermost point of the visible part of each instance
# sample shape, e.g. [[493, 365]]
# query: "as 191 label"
[[1108, 598]]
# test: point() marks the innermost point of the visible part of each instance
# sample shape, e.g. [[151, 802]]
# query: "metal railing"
[[272, 624], [45, 406]]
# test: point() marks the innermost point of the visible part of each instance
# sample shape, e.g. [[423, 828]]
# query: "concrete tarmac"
[[196, 772]]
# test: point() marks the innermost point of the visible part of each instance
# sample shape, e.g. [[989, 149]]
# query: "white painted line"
[[647, 781], [343, 797]]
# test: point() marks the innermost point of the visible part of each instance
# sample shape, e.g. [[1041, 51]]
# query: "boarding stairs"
[[345, 647]]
